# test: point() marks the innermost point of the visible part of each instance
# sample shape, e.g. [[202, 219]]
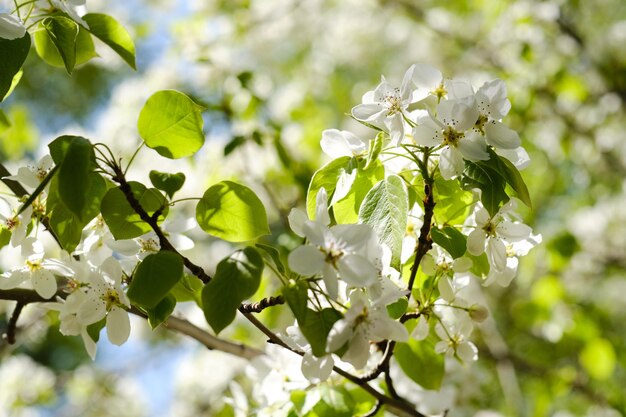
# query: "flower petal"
[[306, 260], [44, 283], [356, 270], [118, 326], [501, 136], [476, 242]]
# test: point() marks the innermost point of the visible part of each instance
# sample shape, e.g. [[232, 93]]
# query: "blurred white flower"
[[11, 27]]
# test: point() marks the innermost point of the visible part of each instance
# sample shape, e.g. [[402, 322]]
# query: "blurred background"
[[273, 75]]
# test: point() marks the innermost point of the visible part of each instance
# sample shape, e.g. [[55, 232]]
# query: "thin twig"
[[12, 325]]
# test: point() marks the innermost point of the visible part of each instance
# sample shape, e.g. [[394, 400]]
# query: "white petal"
[[445, 289], [450, 163], [421, 330], [518, 157], [297, 218], [316, 369], [461, 264], [476, 242], [513, 231], [306, 260], [44, 283], [321, 207], [481, 215], [27, 177], [385, 328], [316, 232], [426, 76], [329, 275], [118, 326], [467, 352], [334, 144], [501, 136], [112, 269], [13, 279], [339, 334], [358, 351], [181, 242], [367, 112], [90, 345], [356, 270], [496, 253], [355, 236], [395, 125], [11, 27], [92, 310], [426, 135], [473, 148], [459, 90]]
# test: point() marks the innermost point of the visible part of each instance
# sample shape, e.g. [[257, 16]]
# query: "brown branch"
[[12, 325], [262, 304], [24, 297], [152, 222], [424, 242]]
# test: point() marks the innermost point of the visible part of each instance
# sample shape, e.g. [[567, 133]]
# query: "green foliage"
[[112, 33], [13, 53], [398, 308], [237, 278], [161, 312], [61, 42], [452, 202], [385, 208], [316, 326], [334, 402], [421, 363], [170, 183], [189, 288], [450, 239], [122, 219], [296, 295], [232, 212], [346, 210], [599, 359], [171, 124], [153, 279], [76, 192], [326, 177]]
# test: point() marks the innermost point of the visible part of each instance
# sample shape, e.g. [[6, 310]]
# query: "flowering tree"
[[399, 232]]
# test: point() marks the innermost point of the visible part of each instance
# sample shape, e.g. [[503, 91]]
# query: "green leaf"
[[111, 32], [316, 327], [170, 183], [93, 330], [73, 198], [161, 312], [75, 177], [334, 402], [48, 51], [237, 278], [421, 363], [5, 236], [155, 276], [515, 180], [491, 183], [63, 31], [599, 359], [346, 210], [325, 177], [189, 288], [5, 123], [275, 255], [13, 53], [296, 296], [398, 308], [171, 124], [385, 208], [480, 265], [123, 221], [376, 147], [450, 239], [453, 202], [232, 212]]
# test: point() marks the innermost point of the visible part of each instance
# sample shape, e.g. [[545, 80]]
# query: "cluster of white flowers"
[[448, 122]]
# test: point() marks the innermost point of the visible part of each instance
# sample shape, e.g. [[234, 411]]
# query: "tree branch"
[[24, 297]]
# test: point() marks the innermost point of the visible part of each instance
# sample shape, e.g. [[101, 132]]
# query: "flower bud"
[[478, 313]]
